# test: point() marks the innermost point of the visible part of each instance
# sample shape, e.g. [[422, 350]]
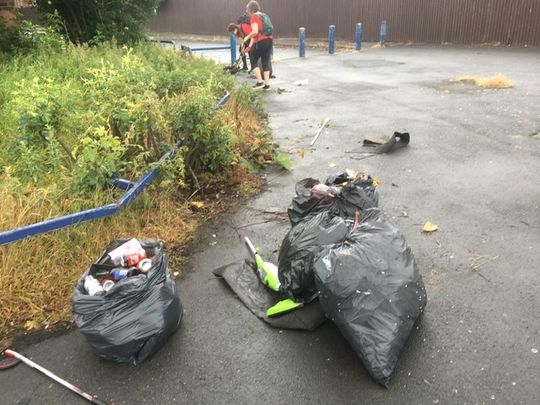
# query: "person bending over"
[[240, 29]]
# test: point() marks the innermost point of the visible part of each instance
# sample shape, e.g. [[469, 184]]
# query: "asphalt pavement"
[[472, 168]]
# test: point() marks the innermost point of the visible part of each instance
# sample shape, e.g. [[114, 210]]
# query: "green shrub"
[[98, 157], [23, 37], [207, 140], [71, 120]]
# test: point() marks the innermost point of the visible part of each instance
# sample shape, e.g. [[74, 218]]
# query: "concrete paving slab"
[[472, 168]]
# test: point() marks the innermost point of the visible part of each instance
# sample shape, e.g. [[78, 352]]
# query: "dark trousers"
[[262, 52]]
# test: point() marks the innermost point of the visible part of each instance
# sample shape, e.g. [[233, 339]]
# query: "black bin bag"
[[349, 191], [299, 248], [370, 287], [134, 319]]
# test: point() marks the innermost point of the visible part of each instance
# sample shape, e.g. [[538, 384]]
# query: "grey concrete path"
[[472, 168]]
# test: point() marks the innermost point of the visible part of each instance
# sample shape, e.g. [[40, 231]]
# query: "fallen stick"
[[90, 398], [319, 131]]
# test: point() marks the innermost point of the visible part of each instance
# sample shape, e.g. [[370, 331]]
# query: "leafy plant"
[[283, 160], [98, 158], [208, 141], [39, 105]]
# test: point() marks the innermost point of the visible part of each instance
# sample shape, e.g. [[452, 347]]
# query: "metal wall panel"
[[515, 22]]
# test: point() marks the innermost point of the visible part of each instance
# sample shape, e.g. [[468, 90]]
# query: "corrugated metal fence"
[[515, 22]]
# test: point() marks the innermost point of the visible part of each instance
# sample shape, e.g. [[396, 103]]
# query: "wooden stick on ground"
[[319, 131]]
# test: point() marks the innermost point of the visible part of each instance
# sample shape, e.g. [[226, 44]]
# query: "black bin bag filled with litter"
[[133, 319], [371, 289], [342, 194], [299, 248]]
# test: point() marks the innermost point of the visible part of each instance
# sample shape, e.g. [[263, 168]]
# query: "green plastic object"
[[283, 307], [268, 272]]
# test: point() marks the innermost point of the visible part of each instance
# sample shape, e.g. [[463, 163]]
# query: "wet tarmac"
[[472, 168]]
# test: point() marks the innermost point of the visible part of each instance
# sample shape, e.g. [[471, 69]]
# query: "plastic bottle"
[[92, 286]]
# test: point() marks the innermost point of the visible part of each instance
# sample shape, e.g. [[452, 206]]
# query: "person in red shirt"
[[260, 45]]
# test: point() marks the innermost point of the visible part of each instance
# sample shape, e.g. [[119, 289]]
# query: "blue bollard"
[[383, 33], [302, 42], [233, 48], [358, 36], [331, 39]]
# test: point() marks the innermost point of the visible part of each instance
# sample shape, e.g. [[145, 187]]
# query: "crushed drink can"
[[120, 273], [128, 260], [144, 265], [128, 254], [134, 258], [92, 286], [118, 260], [107, 285]]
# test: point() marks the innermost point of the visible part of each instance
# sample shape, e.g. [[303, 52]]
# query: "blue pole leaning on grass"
[[302, 42], [383, 33], [331, 39], [358, 36], [233, 48]]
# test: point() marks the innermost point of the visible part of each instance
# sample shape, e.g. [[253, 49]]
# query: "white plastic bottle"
[[92, 286]]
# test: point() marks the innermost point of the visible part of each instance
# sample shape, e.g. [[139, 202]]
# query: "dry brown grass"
[[244, 124], [499, 81], [37, 275]]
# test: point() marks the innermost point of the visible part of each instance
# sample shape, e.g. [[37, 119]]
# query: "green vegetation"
[[95, 21], [24, 37], [72, 118]]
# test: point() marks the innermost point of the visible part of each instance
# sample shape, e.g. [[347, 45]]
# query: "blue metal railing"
[[166, 42], [231, 46], [133, 190]]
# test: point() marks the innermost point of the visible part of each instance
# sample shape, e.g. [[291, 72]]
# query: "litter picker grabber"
[[283, 307], [235, 67], [17, 357], [268, 272]]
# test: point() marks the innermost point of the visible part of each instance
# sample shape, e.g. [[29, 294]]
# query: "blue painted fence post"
[[233, 48], [302, 42], [331, 39], [383, 32], [358, 36]]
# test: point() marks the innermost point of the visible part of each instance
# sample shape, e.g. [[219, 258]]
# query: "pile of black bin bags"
[[135, 318], [345, 251]]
